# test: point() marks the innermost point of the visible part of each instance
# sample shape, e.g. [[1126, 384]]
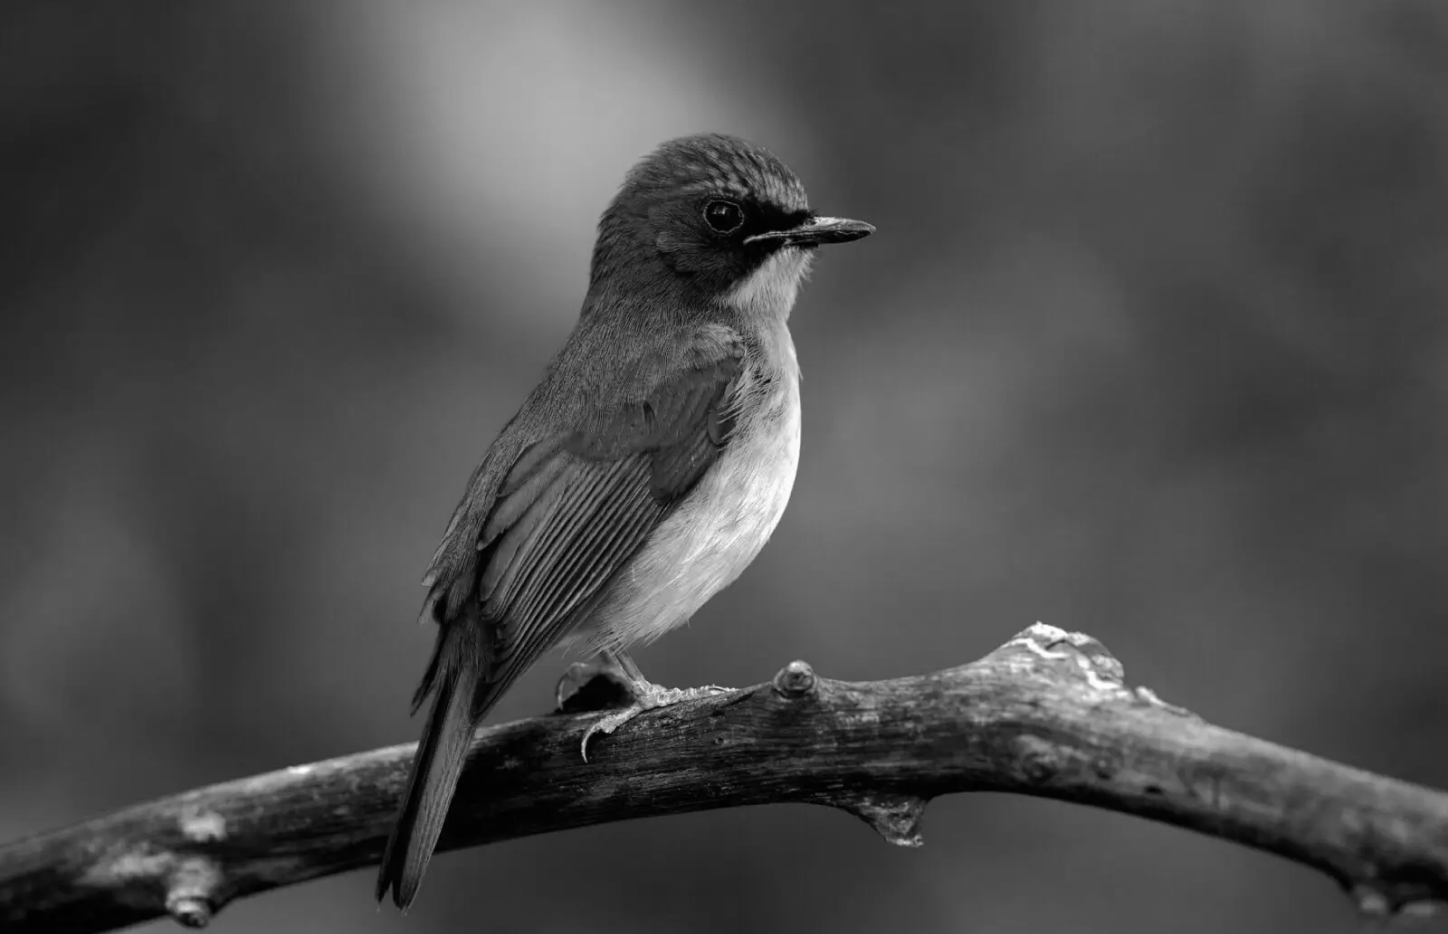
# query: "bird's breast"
[[725, 520]]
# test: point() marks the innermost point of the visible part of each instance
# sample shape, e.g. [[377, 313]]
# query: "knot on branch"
[[194, 880], [795, 680], [1073, 653], [186, 883], [1376, 905], [1081, 658], [894, 817], [189, 883], [189, 912]]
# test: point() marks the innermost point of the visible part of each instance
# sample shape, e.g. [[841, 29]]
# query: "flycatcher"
[[645, 471]]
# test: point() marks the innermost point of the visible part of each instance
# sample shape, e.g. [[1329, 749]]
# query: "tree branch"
[[1046, 714]]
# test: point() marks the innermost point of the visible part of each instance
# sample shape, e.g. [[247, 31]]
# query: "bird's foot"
[[646, 697]]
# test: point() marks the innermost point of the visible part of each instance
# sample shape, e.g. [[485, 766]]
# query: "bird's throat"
[[768, 293]]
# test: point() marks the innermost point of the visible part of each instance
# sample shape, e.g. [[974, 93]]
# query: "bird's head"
[[718, 219]]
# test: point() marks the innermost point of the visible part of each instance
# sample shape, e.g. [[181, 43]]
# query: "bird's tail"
[[452, 678]]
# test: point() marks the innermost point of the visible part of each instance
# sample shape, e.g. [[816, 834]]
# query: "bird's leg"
[[607, 680], [641, 694]]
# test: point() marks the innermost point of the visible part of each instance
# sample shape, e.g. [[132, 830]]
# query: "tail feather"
[[453, 678]]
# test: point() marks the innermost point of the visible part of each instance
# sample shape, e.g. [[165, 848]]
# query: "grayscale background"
[[1151, 343]]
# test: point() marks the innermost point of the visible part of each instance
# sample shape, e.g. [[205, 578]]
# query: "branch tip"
[[795, 680]]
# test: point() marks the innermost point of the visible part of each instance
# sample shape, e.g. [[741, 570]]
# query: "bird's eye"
[[724, 216]]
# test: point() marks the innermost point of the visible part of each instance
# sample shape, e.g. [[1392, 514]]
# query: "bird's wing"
[[575, 505]]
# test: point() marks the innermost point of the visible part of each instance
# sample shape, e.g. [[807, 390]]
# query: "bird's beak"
[[815, 231]]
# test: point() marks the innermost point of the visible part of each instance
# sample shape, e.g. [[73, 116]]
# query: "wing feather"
[[540, 533], [596, 544], [520, 491], [575, 506]]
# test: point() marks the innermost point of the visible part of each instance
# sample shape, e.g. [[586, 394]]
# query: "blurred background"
[[1150, 344]]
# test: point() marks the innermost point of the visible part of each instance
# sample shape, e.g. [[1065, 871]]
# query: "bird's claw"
[[646, 697]]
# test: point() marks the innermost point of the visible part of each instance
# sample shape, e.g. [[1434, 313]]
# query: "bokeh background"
[[1151, 343]]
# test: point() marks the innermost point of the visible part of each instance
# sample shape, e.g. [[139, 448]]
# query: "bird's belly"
[[713, 535]]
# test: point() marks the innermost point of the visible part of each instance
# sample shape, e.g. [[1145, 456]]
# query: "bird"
[[645, 471]]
